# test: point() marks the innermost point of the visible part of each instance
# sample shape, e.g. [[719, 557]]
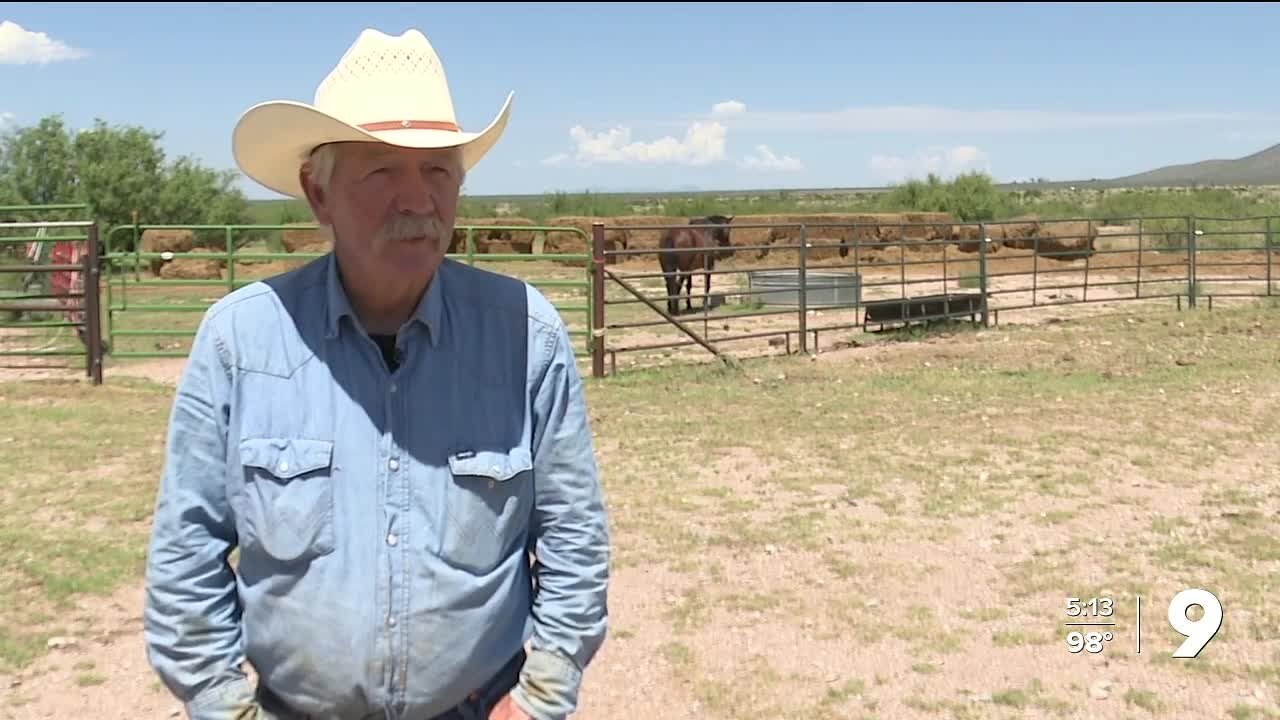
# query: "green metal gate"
[[155, 297]]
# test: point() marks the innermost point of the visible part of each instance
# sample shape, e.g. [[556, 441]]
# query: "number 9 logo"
[[1198, 632]]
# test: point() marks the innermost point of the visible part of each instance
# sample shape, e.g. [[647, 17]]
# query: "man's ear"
[[315, 195]]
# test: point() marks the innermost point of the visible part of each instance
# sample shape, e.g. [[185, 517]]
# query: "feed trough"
[[823, 288]]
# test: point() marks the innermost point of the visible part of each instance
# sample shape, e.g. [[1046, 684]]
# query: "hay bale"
[[841, 231], [647, 239], [158, 240], [487, 231], [758, 236], [1019, 234], [571, 243], [966, 237], [1068, 239], [175, 241], [188, 268], [1065, 239], [298, 237], [502, 247]]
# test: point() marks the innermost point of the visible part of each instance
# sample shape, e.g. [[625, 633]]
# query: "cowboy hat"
[[388, 89]]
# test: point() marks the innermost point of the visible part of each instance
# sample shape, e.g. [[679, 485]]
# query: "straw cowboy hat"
[[388, 89]]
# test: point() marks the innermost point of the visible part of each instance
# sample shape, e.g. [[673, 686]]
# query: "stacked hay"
[[158, 241], [1067, 239], [758, 236], [637, 237], [189, 268], [968, 238], [492, 239], [572, 243], [298, 237], [835, 233]]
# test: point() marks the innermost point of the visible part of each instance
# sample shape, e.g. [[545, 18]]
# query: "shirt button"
[[284, 467], [393, 464], [393, 387], [391, 539], [391, 621]]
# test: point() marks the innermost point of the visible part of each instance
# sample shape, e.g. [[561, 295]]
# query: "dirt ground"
[[936, 595], [785, 614]]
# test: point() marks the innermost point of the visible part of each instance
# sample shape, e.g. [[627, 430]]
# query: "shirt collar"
[[428, 313]]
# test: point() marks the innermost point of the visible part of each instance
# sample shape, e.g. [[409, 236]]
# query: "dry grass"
[[890, 518], [885, 531]]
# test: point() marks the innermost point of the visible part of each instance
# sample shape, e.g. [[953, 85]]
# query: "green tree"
[[116, 171], [38, 165]]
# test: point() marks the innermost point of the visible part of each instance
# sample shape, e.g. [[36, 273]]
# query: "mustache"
[[404, 227]]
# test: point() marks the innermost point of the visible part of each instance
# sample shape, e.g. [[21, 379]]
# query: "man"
[[386, 437]]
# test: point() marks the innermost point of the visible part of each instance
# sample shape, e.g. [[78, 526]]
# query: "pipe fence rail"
[[160, 279], [50, 316], [781, 287]]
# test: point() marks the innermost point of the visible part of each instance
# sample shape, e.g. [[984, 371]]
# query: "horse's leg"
[[688, 295], [670, 278], [706, 284], [672, 281]]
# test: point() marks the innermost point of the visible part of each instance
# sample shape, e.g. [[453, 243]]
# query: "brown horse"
[[682, 251]]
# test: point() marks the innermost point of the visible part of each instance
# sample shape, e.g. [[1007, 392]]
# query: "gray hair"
[[322, 161]]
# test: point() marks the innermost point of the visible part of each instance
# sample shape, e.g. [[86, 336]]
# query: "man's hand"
[[507, 709]]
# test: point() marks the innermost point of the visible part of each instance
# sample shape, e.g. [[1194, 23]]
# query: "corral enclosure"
[[1018, 265]]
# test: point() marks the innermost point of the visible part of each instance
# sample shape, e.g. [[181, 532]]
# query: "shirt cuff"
[[548, 686], [231, 700]]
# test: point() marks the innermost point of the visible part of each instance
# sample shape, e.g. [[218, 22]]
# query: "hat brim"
[[273, 139]]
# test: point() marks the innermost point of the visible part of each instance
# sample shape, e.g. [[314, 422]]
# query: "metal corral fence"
[[776, 287], [49, 299], [162, 278], [784, 285]]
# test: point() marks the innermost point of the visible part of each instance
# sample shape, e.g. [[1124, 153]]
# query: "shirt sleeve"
[[191, 615], [570, 542]]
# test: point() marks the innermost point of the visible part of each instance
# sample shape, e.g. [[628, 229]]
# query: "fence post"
[[983, 241], [231, 259], [597, 299], [1191, 262], [92, 307], [1270, 241], [803, 300]]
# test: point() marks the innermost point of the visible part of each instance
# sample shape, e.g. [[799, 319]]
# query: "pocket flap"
[[286, 457], [492, 464]]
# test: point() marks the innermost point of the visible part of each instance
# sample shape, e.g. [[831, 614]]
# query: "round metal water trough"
[[823, 288]]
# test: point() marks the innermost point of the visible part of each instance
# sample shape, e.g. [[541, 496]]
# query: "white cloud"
[[927, 118], [19, 46], [703, 143], [766, 159], [7, 120], [728, 107], [943, 162]]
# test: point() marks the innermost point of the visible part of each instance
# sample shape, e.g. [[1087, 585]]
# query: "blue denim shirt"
[[391, 526]]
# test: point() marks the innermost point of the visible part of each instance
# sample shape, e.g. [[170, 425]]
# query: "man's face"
[[392, 209]]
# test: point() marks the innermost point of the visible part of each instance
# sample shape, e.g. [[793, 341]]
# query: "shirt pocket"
[[285, 504], [488, 506]]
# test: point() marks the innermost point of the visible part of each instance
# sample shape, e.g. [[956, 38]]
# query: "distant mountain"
[[1260, 168]]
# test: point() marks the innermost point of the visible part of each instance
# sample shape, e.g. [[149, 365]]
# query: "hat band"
[[410, 125]]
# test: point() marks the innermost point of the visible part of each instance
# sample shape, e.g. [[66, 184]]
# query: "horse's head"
[[719, 234]]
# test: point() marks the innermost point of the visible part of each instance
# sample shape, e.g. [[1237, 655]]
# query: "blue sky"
[[659, 96]]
